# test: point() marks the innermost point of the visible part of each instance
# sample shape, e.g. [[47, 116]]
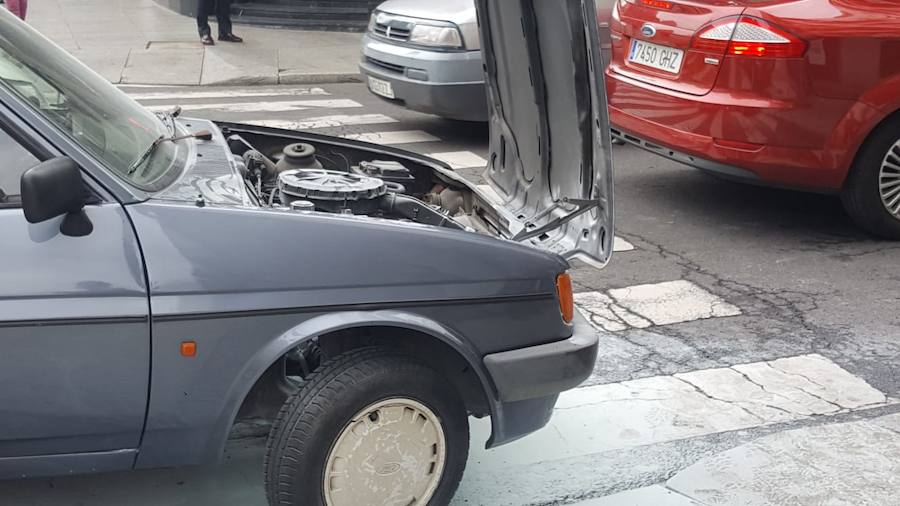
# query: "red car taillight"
[[658, 4], [748, 36]]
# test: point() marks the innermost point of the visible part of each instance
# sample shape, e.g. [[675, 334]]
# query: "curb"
[[302, 78], [267, 80]]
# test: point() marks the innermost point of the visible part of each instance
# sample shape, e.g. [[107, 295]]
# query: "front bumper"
[[547, 369], [529, 380], [448, 84]]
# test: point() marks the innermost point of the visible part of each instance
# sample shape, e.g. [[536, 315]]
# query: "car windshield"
[[99, 117]]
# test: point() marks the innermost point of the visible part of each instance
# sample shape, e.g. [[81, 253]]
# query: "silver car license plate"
[[381, 87]]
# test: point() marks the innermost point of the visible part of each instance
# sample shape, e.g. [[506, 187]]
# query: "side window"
[[15, 161]]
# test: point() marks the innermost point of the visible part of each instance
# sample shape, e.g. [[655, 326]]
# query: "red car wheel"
[[872, 193]]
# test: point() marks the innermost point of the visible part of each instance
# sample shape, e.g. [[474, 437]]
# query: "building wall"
[[186, 7]]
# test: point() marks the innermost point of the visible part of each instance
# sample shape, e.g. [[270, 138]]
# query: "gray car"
[[168, 281]]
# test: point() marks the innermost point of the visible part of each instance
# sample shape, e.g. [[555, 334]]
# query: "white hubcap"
[[889, 180], [391, 453]]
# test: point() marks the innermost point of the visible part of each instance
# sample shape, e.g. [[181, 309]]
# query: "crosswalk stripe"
[[250, 107], [246, 93], [643, 306], [658, 409], [460, 159], [337, 120], [126, 86], [620, 245], [654, 495], [395, 137]]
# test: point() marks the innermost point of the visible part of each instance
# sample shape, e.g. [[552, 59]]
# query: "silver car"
[[427, 56]]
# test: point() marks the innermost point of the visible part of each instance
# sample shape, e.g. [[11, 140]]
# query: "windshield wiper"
[[203, 135], [168, 117]]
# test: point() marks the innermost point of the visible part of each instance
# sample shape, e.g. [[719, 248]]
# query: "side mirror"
[[55, 188]]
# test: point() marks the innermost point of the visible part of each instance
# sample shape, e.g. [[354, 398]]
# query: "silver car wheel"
[[889, 180], [391, 452]]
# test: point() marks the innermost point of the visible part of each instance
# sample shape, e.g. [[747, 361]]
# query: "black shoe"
[[230, 37], [207, 40]]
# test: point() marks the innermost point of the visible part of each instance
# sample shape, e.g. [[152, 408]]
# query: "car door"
[[74, 330]]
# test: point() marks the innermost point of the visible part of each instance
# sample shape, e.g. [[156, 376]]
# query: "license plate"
[[381, 87], [664, 58]]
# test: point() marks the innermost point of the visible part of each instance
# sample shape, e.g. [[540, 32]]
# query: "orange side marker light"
[[188, 349]]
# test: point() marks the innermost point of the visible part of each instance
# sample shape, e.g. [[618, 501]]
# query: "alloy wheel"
[[889, 180]]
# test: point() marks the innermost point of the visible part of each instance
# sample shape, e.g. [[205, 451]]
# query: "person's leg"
[[203, 10], [223, 16]]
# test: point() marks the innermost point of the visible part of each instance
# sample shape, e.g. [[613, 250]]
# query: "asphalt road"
[[730, 312]]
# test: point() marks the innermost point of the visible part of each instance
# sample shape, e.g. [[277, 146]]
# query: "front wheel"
[[872, 193], [372, 426]]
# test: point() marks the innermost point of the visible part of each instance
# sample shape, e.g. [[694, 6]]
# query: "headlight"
[[437, 36], [372, 21]]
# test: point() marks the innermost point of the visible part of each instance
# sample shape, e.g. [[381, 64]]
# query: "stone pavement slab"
[[230, 64], [109, 63], [854, 463], [141, 42], [172, 65]]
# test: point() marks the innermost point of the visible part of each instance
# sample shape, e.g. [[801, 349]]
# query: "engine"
[[295, 177]]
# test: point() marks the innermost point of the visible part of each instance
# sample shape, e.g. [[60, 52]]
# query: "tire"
[[360, 386], [862, 194]]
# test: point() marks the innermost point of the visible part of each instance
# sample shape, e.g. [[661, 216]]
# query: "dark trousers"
[[222, 9]]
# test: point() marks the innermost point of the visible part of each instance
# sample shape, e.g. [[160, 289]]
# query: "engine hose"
[[414, 210]]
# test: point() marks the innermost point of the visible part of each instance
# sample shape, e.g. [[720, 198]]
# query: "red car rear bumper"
[[807, 144]]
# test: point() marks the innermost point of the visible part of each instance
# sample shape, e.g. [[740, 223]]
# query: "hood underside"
[[549, 141]]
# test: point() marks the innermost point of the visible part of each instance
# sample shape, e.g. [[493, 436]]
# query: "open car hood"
[[550, 146]]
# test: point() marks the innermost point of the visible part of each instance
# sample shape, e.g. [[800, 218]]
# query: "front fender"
[[324, 324], [182, 430]]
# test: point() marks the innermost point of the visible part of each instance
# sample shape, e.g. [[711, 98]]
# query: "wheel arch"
[[875, 127], [333, 329]]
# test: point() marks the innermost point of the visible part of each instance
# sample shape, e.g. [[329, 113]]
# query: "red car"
[[795, 93]]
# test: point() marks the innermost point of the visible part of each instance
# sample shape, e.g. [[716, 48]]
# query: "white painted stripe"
[[396, 137], [245, 93], [673, 302], [324, 121], [605, 314], [460, 159], [129, 86], [284, 106], [667, 408], [655, 304], [620, 244], [654, 495], [850, 462]]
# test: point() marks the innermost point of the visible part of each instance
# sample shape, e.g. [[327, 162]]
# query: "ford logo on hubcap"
[[388, 469], [648, 30]]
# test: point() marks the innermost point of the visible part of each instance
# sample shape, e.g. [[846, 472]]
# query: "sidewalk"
[[140, 42]]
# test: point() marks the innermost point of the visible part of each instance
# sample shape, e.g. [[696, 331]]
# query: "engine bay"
[[308, 174]]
